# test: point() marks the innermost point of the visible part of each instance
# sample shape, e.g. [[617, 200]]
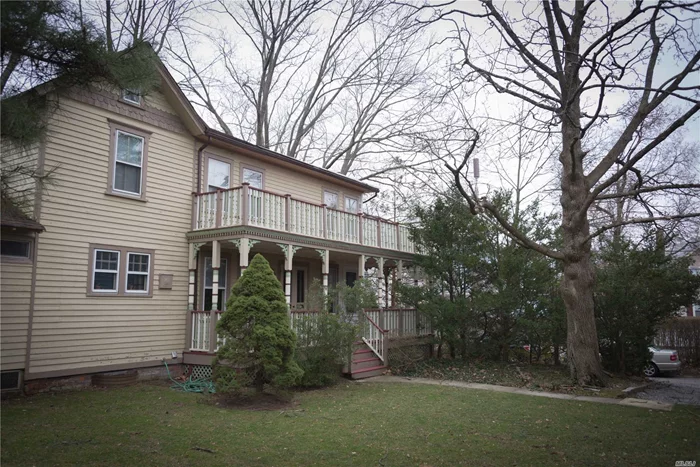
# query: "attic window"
[[131, 96]]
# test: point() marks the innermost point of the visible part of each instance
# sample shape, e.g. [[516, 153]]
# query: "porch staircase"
[[364, 362]]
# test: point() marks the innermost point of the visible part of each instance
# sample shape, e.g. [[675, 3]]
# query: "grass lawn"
[[351, 424]]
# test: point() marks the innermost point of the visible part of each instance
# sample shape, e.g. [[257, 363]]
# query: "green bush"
[[258, 343], [638, 288], [324, 344]]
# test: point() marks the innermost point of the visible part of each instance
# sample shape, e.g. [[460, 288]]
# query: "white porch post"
[[192, 279], [380, 287], [324, 270], [399, 277], [215, 264], [288, 251], [361, 266], [243, 252]]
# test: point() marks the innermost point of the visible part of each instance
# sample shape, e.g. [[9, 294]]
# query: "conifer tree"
[[258, 342]]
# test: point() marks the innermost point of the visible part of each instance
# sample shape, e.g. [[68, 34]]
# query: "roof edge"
[[221, 136]]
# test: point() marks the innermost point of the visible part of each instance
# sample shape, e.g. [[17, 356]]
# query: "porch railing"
[[245, 205], [376, 325], [401, 322], [374, 336]]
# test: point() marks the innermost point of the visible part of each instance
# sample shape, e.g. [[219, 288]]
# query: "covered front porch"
[[216, 264]]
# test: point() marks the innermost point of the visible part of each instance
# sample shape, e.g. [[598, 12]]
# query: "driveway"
[[677, 390]]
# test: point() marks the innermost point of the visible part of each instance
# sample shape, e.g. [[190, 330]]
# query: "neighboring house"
[[149, 220], [694, 308]]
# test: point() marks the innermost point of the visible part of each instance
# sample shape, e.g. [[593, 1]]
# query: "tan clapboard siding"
[[280, 180], [72, 331], [14, 313]]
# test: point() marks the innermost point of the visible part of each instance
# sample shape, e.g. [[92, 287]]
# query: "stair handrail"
[[374, 337]]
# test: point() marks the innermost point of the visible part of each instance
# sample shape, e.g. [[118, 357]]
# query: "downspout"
[[371, 198], [199, 189], [199, 163]]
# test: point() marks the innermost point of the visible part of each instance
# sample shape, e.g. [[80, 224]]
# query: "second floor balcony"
[[245, 205]]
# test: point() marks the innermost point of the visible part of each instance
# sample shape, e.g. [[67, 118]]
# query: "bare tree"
[[332, 83], [565, 62], [128, 22]]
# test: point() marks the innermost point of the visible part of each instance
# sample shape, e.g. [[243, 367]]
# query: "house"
[[127, 258]]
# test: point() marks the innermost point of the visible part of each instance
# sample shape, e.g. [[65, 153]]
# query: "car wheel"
[[651, 370]]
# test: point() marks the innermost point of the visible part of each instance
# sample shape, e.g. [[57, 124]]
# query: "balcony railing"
[[246, 205]]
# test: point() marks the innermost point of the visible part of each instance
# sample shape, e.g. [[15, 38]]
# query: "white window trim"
[[138, 273], [111, 271], [130, 101], [117, 161]]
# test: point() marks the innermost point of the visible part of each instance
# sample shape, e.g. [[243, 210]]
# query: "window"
[[131, 96], [330, 199], [350, 278], [254, 177], [128, 163], [218, 175], [106, 271], [120, 271], [15, 248], [301, 285], [351, 205], [209, 281], [137, 272], [128, 160]]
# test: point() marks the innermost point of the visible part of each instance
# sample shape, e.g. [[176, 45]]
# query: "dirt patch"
[[533, 377], [253, 401]]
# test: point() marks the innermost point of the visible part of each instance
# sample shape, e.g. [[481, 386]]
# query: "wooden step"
[[364, 351], [365, 363], [368, 372]]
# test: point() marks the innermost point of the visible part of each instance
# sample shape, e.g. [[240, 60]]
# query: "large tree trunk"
[[582, 337], [579, 279]]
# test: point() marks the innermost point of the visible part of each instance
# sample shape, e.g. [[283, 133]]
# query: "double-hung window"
[[253, 177], [218, 175], [120, 271], [105, 277], [137, 272], [128, 169], [127, 162], [330, 199]]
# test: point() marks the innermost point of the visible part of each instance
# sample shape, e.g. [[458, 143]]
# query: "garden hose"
[[200, 385]]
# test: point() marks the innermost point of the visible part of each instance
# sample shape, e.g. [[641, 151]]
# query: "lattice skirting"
[[198, 371]]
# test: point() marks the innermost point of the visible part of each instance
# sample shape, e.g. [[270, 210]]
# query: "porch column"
[[215, 265], [192, 279], [380, 287], [399, 277], [288, 251], [324, 270], [243, 252], [193, 251], [361, 266]]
